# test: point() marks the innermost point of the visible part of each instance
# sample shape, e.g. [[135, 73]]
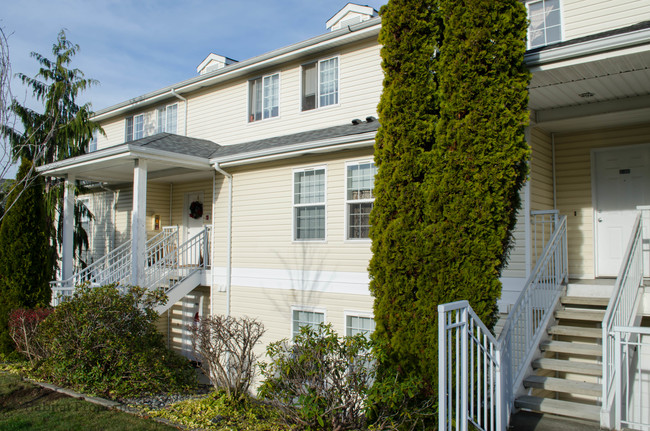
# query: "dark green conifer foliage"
[[451, 157], [25, 253], [408, 112], [479, 160]]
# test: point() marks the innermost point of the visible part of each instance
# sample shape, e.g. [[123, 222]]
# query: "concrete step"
[[592, 301], [563, 385], [558, 407], [589, 316], [575, 367], [572, 348], [575, 331]]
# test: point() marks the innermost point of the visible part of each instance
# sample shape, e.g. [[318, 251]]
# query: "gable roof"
[[177, 144]]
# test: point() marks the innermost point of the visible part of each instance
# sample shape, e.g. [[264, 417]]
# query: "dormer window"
[[264, 97], [168, 119], [320, 84], [545, 23], [134, 128]]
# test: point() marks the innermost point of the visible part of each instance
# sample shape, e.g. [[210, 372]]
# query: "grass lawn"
[[24, 406]]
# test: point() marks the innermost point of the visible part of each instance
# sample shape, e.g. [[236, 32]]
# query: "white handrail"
[[622, 307], [504, 361], [469, 371]]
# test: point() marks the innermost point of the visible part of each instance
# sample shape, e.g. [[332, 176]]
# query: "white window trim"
[[318, 107], [355, 313], [528, 45], [294, 206], [248, 98], [126, 130], [347, 201], [164, 109], [308, 308]]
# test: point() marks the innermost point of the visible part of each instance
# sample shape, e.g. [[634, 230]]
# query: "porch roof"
[[167, 155]]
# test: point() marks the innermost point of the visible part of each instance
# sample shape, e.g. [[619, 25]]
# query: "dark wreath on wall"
[[196, 210]]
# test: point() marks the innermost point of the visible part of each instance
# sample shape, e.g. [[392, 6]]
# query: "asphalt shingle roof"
[[178, 144]]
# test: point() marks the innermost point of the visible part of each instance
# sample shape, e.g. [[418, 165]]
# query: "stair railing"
[[621, 312], [469, 371], [161, 257], [509, 357]]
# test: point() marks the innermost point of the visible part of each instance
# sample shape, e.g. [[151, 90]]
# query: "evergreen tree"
[[61, 131], [451, 157], [401, 236], [25, 253]]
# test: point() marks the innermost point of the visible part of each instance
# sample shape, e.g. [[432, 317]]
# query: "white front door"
[[622, 182], [192, 225]]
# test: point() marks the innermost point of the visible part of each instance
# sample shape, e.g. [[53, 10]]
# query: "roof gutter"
[[535, 60], [362, 140]]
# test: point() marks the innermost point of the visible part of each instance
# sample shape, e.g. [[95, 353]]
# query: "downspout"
[[228, 237], [212, 266], [553, 161], [175, 94]]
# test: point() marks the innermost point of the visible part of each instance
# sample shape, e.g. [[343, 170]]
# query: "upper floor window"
[[309, 204], [545, 23], [264, 97], [92, 145], [359, 197], [134, 128], [168, 119], [320, 84]]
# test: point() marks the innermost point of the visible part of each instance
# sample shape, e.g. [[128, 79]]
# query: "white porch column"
[[138, 228], [67, 250]]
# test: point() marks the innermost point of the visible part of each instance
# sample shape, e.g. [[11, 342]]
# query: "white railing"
[[161, 257], [621, 311], [114, 267], [543, 225], [528, 318], [179, 261], [632, 382], [514, 351], [469, 371]]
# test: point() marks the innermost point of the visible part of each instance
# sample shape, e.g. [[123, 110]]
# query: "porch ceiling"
[[606, 90]]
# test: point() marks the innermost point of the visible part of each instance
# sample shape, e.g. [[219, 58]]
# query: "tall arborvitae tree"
[[401, 237], [479, 162], [451, 158], [25, 252]]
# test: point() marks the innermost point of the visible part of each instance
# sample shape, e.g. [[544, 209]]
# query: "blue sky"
[[133, 47]]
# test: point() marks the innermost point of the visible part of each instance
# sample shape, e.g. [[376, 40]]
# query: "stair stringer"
[[535, 353], [180, 290]]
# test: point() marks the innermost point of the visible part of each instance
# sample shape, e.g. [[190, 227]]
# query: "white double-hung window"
[[168, 119], [359, 324], [545, 23], [134, 128], [359, 197], [309, 204], [320, 84], [264, 97]]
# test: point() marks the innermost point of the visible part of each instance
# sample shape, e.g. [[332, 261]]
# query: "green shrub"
[[319, 381], [103, 340], [219, 411]]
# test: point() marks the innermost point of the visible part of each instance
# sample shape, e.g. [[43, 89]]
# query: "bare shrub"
[[225, 346], [23, 326]]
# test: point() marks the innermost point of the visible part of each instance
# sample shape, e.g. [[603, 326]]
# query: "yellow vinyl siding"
[[574, 186], [541, 171], [262, 234], [585, 17], [273, 308]]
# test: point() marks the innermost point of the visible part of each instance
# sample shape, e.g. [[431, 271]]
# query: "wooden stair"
[[566, 379]]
